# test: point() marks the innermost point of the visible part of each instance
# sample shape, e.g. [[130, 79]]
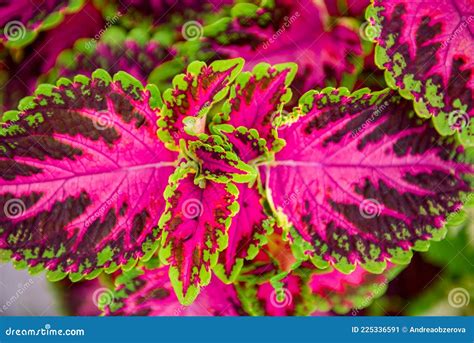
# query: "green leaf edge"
[[259, 71], [441, 121], [148, 247], [269, 225], [194, 69], [165, 251], [250, 172], [222, 129], [302, 250], [50, 21]]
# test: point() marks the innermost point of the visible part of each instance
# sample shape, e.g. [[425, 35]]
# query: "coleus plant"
[[354, 8], [190, 192], [159, 11], [427, 49], [136, 52], [145, 50], [22, 21], [276, 32], [260, 289], [20, 68]]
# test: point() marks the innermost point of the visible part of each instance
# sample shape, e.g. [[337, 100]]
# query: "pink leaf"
[[21, 21], [299, 31], [82, 176], [193, 95], [116, 51], [427, 49], [307, 290], [247, 233], [194, 230], [257, 98], [246, 143], [342, 8], [275, 284], [144, 292], [21, 76], [218, 163], [362, 180]]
